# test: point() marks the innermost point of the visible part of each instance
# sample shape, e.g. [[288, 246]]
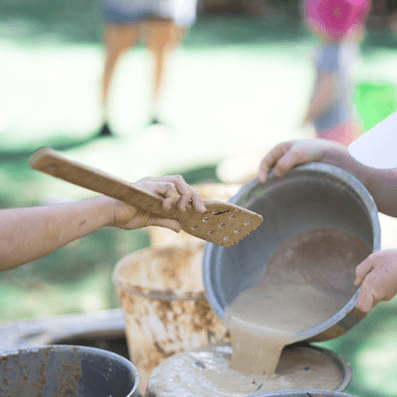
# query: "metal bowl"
[[165, 382], [66, 370], [314, 195]]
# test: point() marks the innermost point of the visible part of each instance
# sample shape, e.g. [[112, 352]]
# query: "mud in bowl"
[[309, 197], [206, 372]]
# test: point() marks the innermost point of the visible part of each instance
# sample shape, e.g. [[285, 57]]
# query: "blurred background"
[[237, 85]]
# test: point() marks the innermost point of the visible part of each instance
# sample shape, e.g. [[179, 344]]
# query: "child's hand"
[[286, 155], [172, 189], [377, 276]]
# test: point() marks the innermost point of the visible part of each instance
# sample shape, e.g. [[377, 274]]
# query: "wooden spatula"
[[223, 223]]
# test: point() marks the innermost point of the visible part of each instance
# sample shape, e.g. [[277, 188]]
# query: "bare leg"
[[117, 39], [162, 38], [378, 14]]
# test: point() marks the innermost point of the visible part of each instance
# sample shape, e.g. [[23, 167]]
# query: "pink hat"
[[336, 18]]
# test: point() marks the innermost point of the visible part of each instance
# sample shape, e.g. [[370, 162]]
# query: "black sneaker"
[[105, 131], [155, 121]]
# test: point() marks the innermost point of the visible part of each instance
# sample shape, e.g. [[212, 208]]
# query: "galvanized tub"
[[66, 371], [186, 374], [164, 303], [310, 196]]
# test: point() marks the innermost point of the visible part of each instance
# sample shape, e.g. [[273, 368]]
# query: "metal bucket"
[[184, 375], [310, 196], [66, 371], [164, 303]]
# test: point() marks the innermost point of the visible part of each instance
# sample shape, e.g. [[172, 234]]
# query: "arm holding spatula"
[[372, 159], [27, 234]]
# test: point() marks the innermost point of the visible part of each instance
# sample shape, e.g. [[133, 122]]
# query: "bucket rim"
[[303, 392], [340, 363], [166, 294], [156, 293], [343, 365]]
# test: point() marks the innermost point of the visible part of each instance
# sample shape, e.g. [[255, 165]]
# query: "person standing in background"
[[339, 25], [161, 23], [392, 15]]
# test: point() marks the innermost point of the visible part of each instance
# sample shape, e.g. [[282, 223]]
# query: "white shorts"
[[182, 12]]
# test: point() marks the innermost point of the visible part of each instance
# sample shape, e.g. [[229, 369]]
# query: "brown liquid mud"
[[308, 279], [206, 372]]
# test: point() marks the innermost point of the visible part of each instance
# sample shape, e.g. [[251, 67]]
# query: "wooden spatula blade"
[[223, 223]]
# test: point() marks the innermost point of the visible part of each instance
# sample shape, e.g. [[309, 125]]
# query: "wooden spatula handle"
[[52, 163]]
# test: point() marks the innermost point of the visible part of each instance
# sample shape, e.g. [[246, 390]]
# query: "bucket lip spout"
[[213, 253], [85, 350], [166, 294]]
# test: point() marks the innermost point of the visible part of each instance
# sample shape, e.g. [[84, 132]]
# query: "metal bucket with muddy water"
[[206, 372], [319, 223], [66, 371]]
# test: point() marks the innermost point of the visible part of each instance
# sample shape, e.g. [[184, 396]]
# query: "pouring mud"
[[206, 372], [308, 279], [260, 330]]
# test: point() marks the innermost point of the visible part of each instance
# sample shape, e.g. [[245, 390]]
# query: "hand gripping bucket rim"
[[213, 253]]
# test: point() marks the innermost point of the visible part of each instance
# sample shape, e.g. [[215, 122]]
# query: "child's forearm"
[[27, 234], [382, 184]]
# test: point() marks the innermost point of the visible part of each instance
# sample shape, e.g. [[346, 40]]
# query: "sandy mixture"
[[206, 372], [308, 279]]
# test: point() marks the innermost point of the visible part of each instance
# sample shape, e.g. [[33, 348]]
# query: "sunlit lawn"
[[220, 100]]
